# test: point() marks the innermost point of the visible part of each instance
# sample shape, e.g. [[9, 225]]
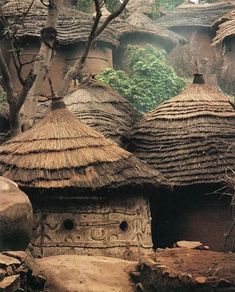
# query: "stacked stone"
[[19, 273]]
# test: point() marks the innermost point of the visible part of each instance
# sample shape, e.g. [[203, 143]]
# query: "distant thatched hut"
[[225, 37], [191, 140], [73, 30], [4, 122], [139, 30], [195, 22], [89, 195], [98, 106]]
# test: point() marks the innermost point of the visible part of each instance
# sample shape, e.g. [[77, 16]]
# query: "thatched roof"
[[195, 15], [190, 138], [73, 26], [98, 106], [138, 19], [59, 151], [140, 6], [224, 27]]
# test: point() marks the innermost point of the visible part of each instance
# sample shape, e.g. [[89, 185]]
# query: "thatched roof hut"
[[191, 137], [59, 152], [224, 27], [100, 107], [195, 15], [73, 26]]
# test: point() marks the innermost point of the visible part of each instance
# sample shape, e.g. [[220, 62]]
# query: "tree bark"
[[41, 67]]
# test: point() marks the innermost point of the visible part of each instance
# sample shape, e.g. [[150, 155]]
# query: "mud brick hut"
[[190, 139], [100, 107], [73, 30], [225, 37], [139, 30], [4, 122], [89, 196], [195, 22]]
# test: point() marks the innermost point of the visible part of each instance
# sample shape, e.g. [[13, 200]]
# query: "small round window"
[[123, 226], [68, 224]]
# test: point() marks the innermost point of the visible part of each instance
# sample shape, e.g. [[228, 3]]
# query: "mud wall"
[[192, 215], [99, 226]]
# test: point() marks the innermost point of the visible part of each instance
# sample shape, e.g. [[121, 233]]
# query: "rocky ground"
[[183, 269]]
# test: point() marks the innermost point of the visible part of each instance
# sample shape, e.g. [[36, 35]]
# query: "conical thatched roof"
[[189, 138], [100, 107], [195, 15], [224, 27], [73, 26], [60, 152]]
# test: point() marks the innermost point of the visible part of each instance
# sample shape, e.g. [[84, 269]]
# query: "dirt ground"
[[182, 269]]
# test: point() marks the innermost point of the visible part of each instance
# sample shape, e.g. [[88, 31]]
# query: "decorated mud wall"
[[94, 226]]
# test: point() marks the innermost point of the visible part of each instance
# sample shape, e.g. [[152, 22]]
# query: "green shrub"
[[151, 79]]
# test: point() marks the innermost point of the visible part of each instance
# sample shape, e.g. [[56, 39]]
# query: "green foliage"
[[2, 96], [84, 5], [151, 79], [112, 5]]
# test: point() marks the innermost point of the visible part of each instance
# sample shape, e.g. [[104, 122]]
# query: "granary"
[[195, 22], [89, 196], [4, 122], [190, 139], [138, 30], [99, 106], [73, 30], [225, 37]]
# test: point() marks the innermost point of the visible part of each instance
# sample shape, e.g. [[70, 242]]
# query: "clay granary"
[[99, 106], [89, 196], [190, 139], [195, 23], [225, 38], [72, 32]]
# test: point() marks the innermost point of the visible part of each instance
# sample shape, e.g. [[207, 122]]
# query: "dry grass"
[[98, 106], [59, 151], [190, 138]]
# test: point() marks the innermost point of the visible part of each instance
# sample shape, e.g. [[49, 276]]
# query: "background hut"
[[225, 37], [72, 32], [89, 195], [4, 122], [190, 139], [98, 106], [194, 22], [139, 30]]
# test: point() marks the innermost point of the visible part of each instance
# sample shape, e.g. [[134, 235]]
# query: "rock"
[[66, 273], [18, 254], [224, 283], [6, 261], [201, 280], [191, 245], [10, 284], [16, 217]]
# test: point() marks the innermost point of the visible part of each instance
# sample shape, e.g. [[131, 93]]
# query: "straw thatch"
[[189, 138], [73, 26], [59, 151], [142, 6], [224, 27], [100, 107], [195, 15]]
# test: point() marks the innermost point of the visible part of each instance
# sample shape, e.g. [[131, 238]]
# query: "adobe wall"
[[192, 215], [103, 226], [120, 55], [200, 51], [227, 77], [98, 59]]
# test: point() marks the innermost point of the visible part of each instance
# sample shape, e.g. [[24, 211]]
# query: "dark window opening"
[[68, 224], [123, 226]]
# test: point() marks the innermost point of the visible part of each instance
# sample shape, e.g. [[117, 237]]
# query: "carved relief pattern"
[[95, 224]]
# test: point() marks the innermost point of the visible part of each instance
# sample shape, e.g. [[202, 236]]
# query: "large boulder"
[[75, 273], [16, 217]]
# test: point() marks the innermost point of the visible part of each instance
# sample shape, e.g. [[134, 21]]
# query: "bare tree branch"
[[95, 31], [6, 78], [41, 67]]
